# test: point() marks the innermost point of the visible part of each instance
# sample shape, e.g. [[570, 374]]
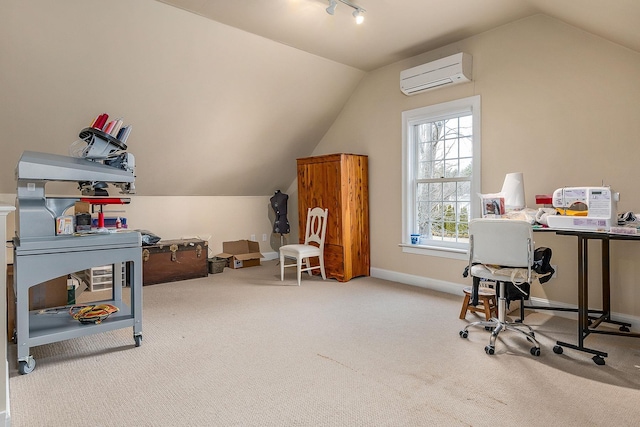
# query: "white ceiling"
[[398, 29]]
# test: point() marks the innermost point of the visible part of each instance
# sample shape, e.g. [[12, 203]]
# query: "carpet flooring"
[[242, 348]]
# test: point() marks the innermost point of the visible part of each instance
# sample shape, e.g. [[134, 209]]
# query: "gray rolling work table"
[[44, 250], [38, 260]]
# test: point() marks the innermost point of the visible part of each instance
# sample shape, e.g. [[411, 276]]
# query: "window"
[[441, 175]]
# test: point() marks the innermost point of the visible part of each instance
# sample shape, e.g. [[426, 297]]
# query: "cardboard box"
[[241, 253]]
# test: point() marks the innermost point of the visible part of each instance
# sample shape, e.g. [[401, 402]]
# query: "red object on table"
[[544, 199], [106, 200]]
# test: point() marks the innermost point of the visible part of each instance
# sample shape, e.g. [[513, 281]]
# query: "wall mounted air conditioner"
[[441, 72]]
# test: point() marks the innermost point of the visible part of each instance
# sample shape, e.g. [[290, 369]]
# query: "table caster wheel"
[[26, 367], [557, 349], [535, 351], [138, 340], [464, 334], [598, 359], [489, 349]]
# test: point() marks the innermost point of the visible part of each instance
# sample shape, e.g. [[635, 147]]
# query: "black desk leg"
[[606, 297], [583, 305]]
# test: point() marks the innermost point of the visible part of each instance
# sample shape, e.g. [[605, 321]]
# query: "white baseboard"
[[456, 289], [268, 256], [420, 281], [6, 414]]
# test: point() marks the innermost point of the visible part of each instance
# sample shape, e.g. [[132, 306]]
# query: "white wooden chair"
[[316, 229], [501, 250]]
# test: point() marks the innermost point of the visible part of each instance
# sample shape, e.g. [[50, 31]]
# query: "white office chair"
[[501, 250], [316, 229]]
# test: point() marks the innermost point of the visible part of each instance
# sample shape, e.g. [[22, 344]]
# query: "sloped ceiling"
[[215, 110], [224, 95], [398, 29]]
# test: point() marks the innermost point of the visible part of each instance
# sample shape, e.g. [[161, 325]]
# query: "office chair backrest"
[[316, 228], [502, 242]]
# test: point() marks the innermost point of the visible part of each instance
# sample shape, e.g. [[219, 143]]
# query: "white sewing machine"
[[584, 208]]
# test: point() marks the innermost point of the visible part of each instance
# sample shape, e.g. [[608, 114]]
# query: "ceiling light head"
[[358, 14], [332, 7]]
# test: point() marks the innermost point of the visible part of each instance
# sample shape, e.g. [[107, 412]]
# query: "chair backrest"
[[316, 226], [502, 242]]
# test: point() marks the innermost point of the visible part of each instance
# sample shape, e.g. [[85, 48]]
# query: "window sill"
[[435, 251]]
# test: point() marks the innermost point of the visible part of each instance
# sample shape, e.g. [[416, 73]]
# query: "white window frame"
[[420, 115]]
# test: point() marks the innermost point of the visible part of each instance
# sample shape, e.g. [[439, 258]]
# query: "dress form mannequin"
[[279, 205]]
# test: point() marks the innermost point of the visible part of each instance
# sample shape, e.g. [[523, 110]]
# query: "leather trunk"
[[174, 260]]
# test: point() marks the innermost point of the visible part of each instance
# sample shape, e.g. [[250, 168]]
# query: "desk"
[[588, 319]]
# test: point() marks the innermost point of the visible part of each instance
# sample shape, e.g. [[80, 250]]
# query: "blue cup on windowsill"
[[415, 239]]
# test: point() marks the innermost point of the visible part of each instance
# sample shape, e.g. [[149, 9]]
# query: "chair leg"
[[487, 307], [321, 260], [299, 269], [307, 265], [465, 304], [281, 267]]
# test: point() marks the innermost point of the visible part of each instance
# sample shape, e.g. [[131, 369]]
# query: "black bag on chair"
[[542, 263]]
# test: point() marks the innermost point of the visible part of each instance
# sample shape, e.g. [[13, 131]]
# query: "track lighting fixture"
[[359, 16], [358, 12], [332, 7]]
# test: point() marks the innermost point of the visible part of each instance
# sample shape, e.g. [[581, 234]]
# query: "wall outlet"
[[264, 237], [253, 237]]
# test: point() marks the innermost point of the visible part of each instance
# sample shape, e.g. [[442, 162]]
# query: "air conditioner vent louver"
[[442, 72]]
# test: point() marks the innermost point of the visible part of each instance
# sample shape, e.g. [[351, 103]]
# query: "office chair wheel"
[[557, 349], [464, 333], [535, 351], [490, 349], [598, 359]]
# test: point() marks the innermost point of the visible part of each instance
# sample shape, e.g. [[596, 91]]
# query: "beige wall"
[[216, 219], [558, 104]]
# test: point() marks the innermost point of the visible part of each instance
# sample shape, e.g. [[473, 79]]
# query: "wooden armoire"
[[338, 182]]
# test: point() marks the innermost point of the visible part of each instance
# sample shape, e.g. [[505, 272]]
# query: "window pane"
[[466, 125], [451, 168], [449, 191], [438, 150], [466, 147], [466, 167], [463, 220], [464, 192], [436, 221], [451, 150], [451, 127]]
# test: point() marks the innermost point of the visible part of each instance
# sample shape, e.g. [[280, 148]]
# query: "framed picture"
[[492, 207]]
